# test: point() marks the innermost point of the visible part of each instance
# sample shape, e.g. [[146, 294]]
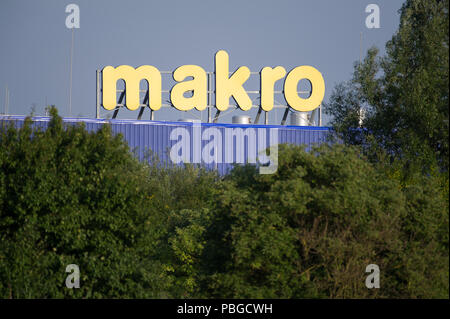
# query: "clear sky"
[[35, 44]]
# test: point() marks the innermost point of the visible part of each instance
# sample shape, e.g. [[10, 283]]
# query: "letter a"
[[373, 280], [73, 280], [73, 19], [373, 19], [197, 86]]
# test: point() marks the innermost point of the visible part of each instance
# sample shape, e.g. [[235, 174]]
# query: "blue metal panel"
[[155, 135]]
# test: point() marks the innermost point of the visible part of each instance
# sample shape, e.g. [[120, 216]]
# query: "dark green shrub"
[[310, 230], [140, 230], [72, 197]]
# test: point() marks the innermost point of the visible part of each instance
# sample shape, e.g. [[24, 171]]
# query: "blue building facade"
[[214, 145]]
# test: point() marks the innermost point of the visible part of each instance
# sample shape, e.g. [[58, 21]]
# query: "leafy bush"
[[72, 197], [404, 94], [140, 230], [311, 229]]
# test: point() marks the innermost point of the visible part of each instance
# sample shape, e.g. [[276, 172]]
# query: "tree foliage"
[[310, 229], [143, 230], [396, 110], [146, 230], [404, 94], [72, 197]]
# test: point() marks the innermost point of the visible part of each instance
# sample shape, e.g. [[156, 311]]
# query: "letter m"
[[239, 147], [132, 78]]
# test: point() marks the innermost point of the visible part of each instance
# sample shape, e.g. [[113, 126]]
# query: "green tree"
[[403, 95], [404, 130], [144, 230], [310, 229], [184, 196], [68, 196]]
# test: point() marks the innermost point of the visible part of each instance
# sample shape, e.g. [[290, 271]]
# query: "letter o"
[[317, 88]]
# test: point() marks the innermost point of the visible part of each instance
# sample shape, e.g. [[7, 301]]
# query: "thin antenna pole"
[[6, 100], [97, 113], [360, 48], [70, 85], [209, 96], [359, 67], [320, 115]]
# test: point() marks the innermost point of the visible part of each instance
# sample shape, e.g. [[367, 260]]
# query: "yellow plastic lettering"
[[132, 78], [230, 86], [197, 85], [268, 78], [317, 87]]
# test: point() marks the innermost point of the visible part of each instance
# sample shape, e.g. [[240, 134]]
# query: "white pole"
[[70, 85], [359, 67], [360, 47], [6, 100], [320, 115]]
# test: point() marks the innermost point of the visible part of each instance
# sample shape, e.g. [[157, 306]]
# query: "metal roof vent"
[[299, 118], [241, 119], [187, 120]]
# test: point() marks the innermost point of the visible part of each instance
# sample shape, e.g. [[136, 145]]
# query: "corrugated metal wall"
[[206, 142]]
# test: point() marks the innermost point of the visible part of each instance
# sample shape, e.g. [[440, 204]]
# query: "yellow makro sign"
[[226, 86]]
